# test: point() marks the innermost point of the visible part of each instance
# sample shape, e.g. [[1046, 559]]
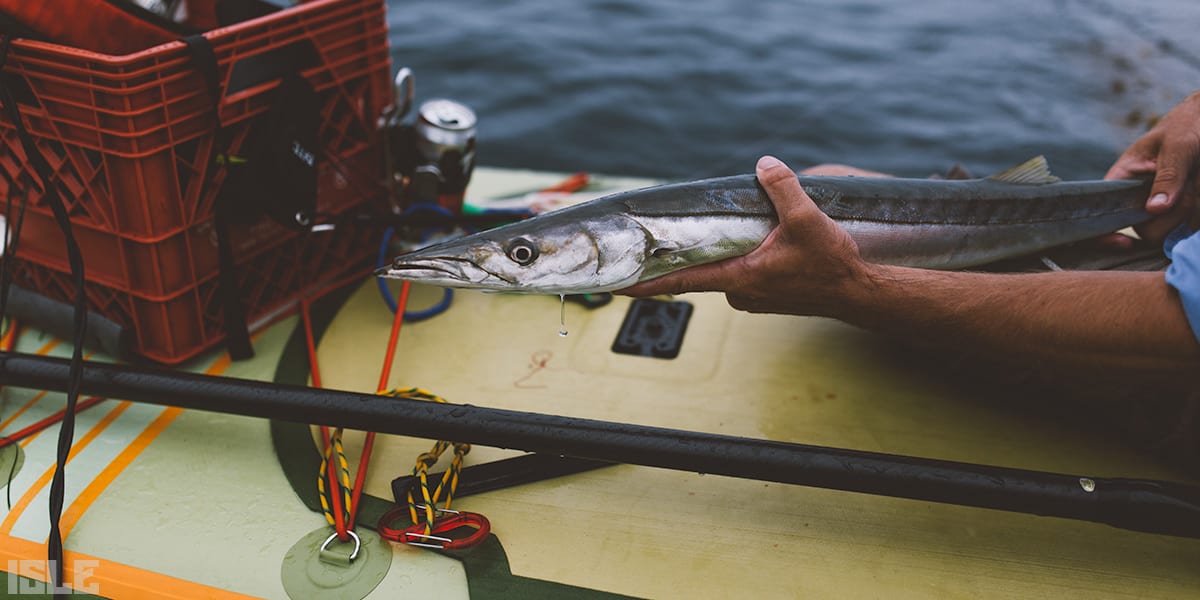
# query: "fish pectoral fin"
[[1035, 171], [663, 249]]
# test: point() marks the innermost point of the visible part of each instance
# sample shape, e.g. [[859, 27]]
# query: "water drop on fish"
[[562, 314]]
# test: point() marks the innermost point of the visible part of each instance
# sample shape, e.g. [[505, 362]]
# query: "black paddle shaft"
[[1142, 505]]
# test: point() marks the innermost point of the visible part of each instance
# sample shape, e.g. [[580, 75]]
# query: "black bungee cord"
[[66, 433]]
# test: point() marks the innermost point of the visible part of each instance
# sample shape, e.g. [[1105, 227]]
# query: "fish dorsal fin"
[[1034, 171]]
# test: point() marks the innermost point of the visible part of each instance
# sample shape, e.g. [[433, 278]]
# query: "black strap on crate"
[[237, 334], [276, 174], [66, 433]]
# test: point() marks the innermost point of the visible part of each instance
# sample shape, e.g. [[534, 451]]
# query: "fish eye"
[[522, 251]]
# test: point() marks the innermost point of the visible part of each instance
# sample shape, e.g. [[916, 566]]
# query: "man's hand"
[[1171, 152], [1118, 323], [840, 170], [804, 266]]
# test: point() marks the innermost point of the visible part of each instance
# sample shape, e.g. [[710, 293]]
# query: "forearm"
[[1125, 321]]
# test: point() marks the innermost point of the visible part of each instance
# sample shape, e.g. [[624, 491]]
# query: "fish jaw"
[[441, 266], [565, 252]]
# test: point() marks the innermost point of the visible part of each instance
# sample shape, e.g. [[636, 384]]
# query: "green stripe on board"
[[486, 565]]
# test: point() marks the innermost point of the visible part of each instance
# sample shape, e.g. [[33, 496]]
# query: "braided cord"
[[335, 446], [449, 481]]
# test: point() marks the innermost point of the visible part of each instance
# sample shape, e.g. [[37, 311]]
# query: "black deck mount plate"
[[653, 328]]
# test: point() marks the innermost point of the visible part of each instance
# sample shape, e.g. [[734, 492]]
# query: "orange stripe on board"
[[107, 578], [10, 335], [221, 364], [33, 436], [20, 411], [44, 350], [32, 492], [114, 579], [93, 490]]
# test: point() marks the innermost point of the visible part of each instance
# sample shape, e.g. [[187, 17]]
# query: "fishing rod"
[[1161, 507]]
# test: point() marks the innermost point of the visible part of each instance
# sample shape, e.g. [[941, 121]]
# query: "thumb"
[[783, 188], [1174, 167]]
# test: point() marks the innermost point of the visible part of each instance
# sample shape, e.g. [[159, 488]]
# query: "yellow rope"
[[449, 481], [335, 445], [447, 485]]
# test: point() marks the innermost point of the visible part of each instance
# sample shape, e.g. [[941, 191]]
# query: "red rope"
[[385, 374], [313, 368], [44, 423], [361, 476], [335, 497], [339, 523], [341, 526]]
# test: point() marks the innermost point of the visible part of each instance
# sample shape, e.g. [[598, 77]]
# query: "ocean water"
[[688, 89]]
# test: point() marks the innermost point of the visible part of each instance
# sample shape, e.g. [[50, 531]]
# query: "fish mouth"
[[447, 271], [394, 269]]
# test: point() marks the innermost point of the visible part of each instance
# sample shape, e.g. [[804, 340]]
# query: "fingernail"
[[768, 162], [1158, 201]]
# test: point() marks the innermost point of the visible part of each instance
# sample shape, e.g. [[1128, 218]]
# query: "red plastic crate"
[[173, 330], [163, 269], [130, 142], [132, 133]]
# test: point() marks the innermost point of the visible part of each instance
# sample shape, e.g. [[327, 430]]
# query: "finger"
[[1176, 162], [836, 170], [1137, 159], [1156, 229], [1130, 167], [1115, 241], [704, 278], [740, 302], [792, 204]]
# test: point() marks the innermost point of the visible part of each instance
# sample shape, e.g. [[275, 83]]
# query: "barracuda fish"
[[616, 241]]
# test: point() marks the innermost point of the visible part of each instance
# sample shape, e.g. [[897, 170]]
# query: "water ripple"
[[690, 89]]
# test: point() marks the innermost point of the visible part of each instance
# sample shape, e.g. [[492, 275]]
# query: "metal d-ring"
[[357, 543], [403, 93]]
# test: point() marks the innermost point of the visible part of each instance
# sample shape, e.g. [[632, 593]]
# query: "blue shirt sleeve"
[[1183, 248]]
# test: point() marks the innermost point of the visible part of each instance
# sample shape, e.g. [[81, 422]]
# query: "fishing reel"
[[431, 156]]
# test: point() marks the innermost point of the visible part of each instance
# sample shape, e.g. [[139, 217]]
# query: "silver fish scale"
[[907, 201], [972, 202], [739, 195]]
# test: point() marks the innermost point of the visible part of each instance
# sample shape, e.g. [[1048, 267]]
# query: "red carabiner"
[[439, 535]]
